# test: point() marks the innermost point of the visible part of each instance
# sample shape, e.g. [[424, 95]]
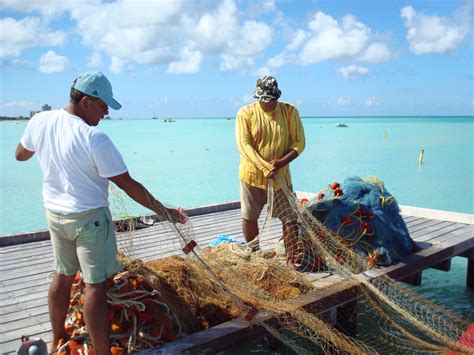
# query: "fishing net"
[[193, 287]]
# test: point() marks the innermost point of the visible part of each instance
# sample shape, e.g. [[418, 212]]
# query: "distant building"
[[45, 107]]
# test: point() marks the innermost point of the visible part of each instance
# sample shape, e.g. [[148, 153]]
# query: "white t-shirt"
[[76, 160]]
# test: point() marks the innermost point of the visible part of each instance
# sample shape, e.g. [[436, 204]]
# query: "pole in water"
[[385, 135], [420, 159]]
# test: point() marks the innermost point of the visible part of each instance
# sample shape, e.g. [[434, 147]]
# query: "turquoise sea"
[[192, 162]]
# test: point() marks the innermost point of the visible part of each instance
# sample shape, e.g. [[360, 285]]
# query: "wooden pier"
[[26, 263]]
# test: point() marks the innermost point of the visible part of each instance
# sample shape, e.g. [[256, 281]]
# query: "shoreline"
[[19, 118]]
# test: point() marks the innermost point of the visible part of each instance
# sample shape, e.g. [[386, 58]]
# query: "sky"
[[183, 58]]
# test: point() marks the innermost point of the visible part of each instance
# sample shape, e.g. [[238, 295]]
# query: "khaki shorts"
[[252, 200], [84, 241]]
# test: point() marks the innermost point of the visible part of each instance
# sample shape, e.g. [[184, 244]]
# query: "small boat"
[[341, 125], [154, 118], [168, 120]]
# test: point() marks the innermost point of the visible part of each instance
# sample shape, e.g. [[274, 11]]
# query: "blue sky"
[[201, 58]]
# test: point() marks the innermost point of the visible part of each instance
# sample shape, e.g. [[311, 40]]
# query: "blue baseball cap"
[[95, 84]]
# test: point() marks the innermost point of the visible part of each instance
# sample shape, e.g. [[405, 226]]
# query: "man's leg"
[[58, 303], [96, 317], [250, 229], [252, 200], [290, 237]]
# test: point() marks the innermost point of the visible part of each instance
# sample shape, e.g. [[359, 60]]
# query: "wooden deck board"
[[24, 268]]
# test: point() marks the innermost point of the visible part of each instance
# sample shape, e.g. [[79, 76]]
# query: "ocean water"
[[193, 162]]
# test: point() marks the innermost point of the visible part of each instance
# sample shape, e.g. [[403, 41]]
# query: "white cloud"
[[213, 31], [15, 62], [352, 71], [230, 62], [375, 53], [16, 35], [297, 40], [18, 104], [328, 39], [263, 70], [371, 101], [277, 61], [50, 62], [189, 62], [47, 8], [173, 32], [117, 65], [95, 60], [252, 39], [432, 34], [268, 5], [331, 40], [344, 100]]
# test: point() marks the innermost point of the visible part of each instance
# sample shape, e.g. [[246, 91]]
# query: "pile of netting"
[[158, 301], [365, 217], [199, 287], [139, 317]]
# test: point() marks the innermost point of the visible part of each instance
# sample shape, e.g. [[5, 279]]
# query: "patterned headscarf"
[[267, 89]]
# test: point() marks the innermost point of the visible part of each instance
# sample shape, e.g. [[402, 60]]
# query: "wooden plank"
[[433, 236], [444, 265], [414, 280], [418, 222], [12, 335], [17, 327], [233, 333], [420, 235], [426, 258], [24, 313], [446, 238], [23, 300], [13, 294], [427, 225]]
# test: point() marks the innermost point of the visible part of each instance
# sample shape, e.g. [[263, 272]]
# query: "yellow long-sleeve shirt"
[[266, 136]]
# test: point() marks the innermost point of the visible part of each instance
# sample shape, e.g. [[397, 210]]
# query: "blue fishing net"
[[367, 218]]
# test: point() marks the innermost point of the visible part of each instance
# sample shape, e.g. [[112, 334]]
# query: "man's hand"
[[277, 164], [176, 215], [272, 174]]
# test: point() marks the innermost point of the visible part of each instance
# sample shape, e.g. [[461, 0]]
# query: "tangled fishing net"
[[154, 301]]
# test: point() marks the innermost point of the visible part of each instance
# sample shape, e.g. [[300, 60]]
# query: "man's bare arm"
[[22, 154], [141, 195]]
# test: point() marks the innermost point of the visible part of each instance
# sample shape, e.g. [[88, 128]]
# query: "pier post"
[[469, 255], [414, 280], [420, 158], [346, 318], [470, 272]]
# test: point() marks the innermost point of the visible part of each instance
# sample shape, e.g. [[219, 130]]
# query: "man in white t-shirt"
[[78, 160]]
